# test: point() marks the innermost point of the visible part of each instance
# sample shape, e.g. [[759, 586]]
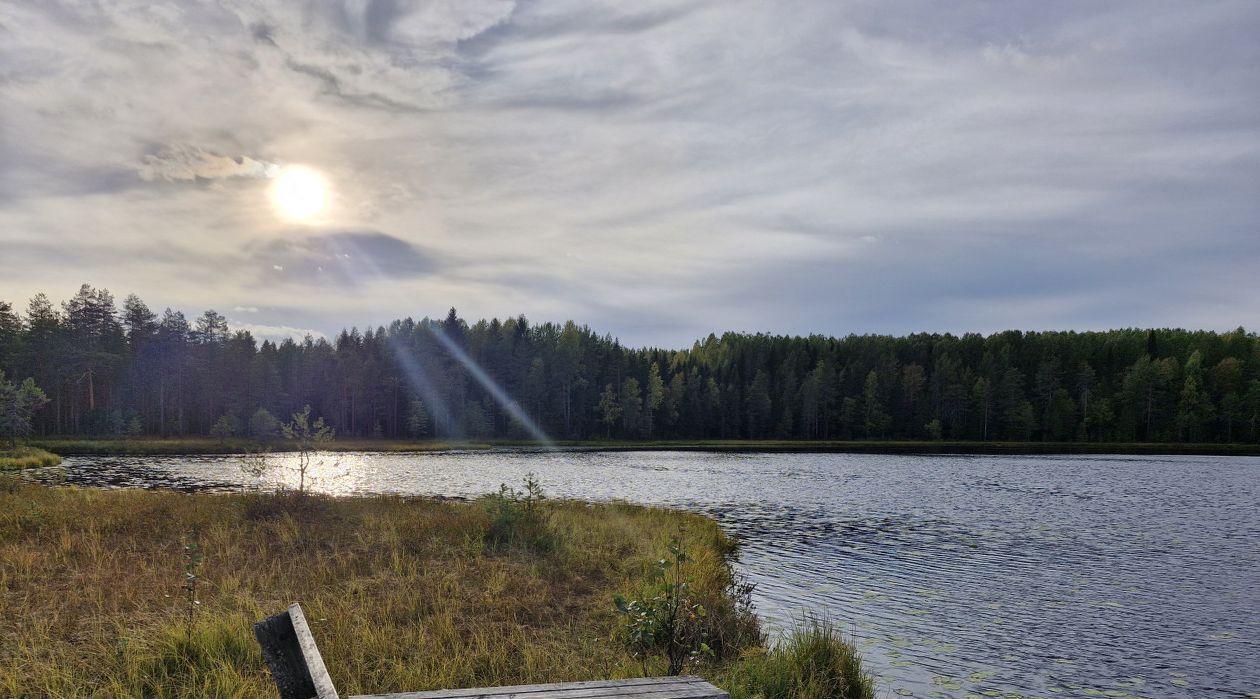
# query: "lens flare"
[[419, 382], [500, 396]]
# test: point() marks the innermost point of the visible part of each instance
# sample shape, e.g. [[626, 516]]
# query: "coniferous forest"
[[119, 371]]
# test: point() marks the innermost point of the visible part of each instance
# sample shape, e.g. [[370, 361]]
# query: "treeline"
[[130, 371]]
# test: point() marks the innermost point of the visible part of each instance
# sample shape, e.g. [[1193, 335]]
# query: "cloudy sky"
[[658, 170]]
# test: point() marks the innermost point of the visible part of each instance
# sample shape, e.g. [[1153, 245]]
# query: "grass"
[[206, 445], [26, 457], [815, 662], [156, 446], [403, 593]]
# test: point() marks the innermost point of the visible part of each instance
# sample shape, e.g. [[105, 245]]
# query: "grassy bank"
[[404, 594], [26, 457], [204, 445], [159, 446]]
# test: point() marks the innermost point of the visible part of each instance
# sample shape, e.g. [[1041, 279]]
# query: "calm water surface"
[[958, 576]]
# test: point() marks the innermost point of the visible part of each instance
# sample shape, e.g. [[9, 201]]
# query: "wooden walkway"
[[299, 673]]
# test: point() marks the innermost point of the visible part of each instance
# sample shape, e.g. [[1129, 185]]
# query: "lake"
[[958, 576]]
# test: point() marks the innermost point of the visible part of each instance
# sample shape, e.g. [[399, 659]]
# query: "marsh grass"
[[26, 457], [813, 662], [402, 593]]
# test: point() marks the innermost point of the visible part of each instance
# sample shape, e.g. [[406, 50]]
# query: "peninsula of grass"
[[96, 597], [156, 446], [26, 457]]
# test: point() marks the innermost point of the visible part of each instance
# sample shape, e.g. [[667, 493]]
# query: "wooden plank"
[[533, 688], [324, 688], [689, 691], [641, 691], [693, 688], [284, 657]]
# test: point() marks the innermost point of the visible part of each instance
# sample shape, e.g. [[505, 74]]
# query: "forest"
[[130, 371]]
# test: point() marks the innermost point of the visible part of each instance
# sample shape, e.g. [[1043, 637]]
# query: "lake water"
[[958, 576]]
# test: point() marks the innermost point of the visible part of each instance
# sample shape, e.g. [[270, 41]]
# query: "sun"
[[299, 193]]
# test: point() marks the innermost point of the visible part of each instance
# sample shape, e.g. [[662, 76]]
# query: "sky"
[[657, 170]]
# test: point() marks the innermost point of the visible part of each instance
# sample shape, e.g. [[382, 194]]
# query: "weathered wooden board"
[[294, 659], [529, 688], [642, 688], [299, 673]]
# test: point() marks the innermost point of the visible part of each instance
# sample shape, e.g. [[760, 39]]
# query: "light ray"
[[418, 379], [514, 410]]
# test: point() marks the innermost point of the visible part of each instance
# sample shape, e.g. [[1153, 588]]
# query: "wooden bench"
[[299, 673]]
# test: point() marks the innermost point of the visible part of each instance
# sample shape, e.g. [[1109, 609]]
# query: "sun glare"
[[299, 193]]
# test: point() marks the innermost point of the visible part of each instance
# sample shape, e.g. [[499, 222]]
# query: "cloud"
[[275, 333], [657, 169], [349, 258], [188, 163]]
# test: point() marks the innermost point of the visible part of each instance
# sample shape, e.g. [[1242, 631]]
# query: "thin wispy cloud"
[[189, 163], [659, 170]]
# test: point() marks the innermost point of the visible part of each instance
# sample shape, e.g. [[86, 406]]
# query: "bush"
[[669, 622], [517, 519], [814, 662], [227, 426], [263, 426], [298, 506]]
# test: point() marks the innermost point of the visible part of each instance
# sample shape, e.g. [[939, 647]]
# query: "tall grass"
[[403, 593], [813, 662], [26, 457]]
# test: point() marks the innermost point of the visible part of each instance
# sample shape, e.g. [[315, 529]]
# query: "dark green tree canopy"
[[113, 371]]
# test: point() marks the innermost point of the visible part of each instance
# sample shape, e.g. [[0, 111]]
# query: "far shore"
[[142, 446]]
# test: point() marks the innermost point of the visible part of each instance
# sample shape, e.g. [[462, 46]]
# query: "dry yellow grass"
[[26, 457], [403, 593]]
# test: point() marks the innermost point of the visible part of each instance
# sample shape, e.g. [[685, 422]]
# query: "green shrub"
[[517, 518], [814, 662], [226, 427], [669, 620], [263, 426]]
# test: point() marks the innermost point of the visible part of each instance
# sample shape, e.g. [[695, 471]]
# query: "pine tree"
[[631, 407], [417, 419], [654, 395], [609, 408], [758, 406], [875, 420]]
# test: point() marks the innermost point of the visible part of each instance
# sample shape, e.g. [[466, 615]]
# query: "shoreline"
[[188, 446]]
